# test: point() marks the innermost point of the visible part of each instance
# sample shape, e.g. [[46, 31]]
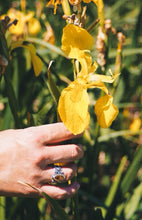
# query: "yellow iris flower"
[[74, 100], [23, 19]]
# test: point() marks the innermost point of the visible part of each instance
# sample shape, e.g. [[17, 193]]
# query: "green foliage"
[[110, 172]]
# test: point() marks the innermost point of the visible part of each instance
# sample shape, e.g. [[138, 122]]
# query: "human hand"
[[26, 155]]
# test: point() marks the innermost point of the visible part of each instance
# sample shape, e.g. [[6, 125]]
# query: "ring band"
[[58, 176]]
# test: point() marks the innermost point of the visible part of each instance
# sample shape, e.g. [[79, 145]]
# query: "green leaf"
[[56, 207], [116, 134], [4, 54], [47, 45], [133, 203], [132, 171], [52, 86], [61, 214], [126, 52], [39, 117], [12, 100], [115, 183], [98, 214], [3, 43]]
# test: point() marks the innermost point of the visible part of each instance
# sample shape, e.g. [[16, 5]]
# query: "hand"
[[26, 155]]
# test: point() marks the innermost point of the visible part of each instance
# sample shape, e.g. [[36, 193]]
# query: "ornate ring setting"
[[58, 176]]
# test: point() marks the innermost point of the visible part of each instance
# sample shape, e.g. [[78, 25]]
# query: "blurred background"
[[110, 172]]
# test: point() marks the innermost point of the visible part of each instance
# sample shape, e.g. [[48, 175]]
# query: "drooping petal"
[[73, 107], [103, 78], [99, 85], [75, 37], [106, 111], [36, 61]]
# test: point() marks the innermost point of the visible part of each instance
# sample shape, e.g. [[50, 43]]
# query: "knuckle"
[[71, 172], [41, 157], [77, 152]]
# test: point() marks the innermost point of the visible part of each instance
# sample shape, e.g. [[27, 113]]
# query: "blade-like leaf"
[[132, 171], [133, 203], [115, 184], [61, 214], [52, 86]]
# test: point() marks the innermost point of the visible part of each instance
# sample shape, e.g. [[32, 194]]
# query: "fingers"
[[60, 154], [53, 133], [57, 192], [68, 171]]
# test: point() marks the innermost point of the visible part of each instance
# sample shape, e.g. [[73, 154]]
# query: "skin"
[[26, 156]]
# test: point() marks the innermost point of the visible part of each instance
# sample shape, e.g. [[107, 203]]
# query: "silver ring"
[[58, 176]]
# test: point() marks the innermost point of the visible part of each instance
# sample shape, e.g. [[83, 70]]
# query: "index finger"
[[54, 133]]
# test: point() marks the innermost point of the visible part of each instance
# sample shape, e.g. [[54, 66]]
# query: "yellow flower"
[[19, 27], [33, 24], [55, 3], [74, 101], [76, 44], [106, 111]]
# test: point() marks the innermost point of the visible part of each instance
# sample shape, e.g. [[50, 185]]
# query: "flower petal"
[[103, 78], [106, 111], [73, 107], [77, 37], [99, 85], [135, 125], [36, 61], [55, 3], [34, 26]]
